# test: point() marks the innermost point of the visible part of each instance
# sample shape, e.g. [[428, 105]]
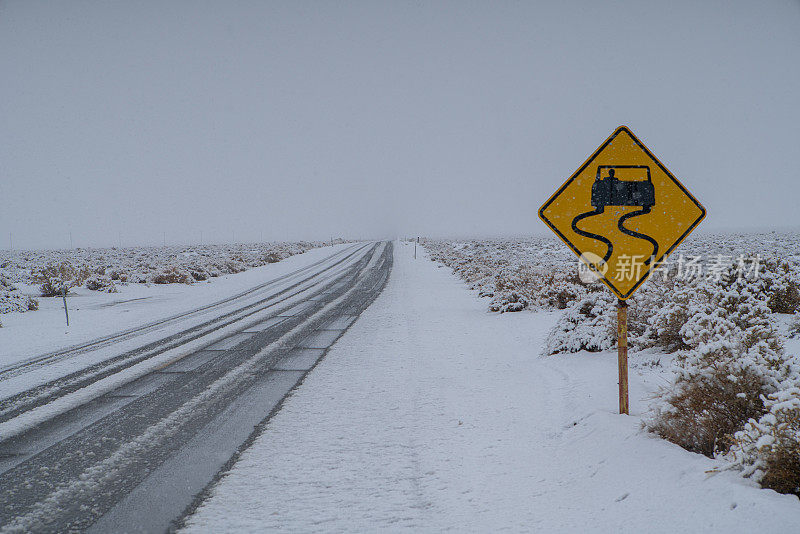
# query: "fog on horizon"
[[137, 123]]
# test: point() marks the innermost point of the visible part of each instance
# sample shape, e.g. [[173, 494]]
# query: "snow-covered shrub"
[[563, 287], [768, 449], [664, 327], [736, 359], [513, 287], [581, 328], [199, 274], [658, 313], [703, 409], [57, 279], [589, 324], [785, 299], [117, 276], [508, 301], [779, 278], [12, 300], [101, 283], [234, 266], [273, 257], [734, 311], [794, 326], [173, 275]]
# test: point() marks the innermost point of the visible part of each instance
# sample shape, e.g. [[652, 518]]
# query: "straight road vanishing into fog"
[[108, 449]]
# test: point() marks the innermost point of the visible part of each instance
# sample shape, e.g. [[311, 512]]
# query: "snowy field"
[[433, 414], [141, 265]]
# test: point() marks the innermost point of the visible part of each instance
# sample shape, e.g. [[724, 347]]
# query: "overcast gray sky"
[[302, 120]]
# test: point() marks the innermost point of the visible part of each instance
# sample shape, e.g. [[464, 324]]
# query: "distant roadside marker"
[[622, 212]]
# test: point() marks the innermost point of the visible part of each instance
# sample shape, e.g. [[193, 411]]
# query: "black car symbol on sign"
[[608, 190], [611, 191]]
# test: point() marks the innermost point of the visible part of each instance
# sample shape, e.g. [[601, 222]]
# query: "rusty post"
[[622, 354]]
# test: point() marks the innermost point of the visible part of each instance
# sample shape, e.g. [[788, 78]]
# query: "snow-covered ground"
[[431, 414]]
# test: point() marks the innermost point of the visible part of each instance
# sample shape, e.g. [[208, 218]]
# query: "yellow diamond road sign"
[[622, 212]]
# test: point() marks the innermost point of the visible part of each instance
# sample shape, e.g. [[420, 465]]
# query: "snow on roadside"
[[109, 267], [431, 414]]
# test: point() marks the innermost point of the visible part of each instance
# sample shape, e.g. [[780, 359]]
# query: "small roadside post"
[[622, 213], [64, 297], [415, 247]]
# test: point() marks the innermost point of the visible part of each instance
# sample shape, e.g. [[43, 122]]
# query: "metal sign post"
[[622, 212]]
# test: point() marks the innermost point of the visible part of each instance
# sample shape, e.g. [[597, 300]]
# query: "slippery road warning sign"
[[622, 212]]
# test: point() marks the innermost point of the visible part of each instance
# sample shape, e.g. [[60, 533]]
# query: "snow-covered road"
[[97, 315], [152, 435], [43, 385], [430, 414]]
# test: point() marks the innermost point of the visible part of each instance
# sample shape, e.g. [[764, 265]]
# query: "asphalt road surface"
[[138, 458]]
